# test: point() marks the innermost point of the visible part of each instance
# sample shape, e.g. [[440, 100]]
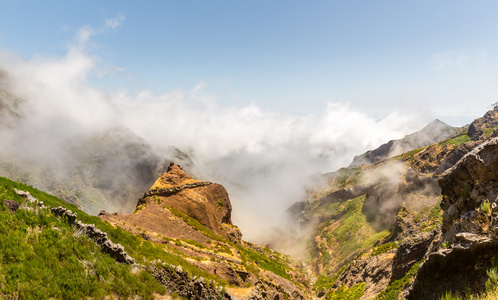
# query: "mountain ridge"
[[431, 133]]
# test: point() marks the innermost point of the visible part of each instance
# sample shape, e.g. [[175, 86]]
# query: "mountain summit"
[[435, 131], [206, 202]]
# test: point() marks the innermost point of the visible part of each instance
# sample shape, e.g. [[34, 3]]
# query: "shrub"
[[486, 206]]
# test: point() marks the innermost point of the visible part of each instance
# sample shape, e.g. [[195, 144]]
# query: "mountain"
[[420, 225], [193, 218], [435, 131]]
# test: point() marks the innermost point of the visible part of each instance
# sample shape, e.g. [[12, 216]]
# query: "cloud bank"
[[263, 158]]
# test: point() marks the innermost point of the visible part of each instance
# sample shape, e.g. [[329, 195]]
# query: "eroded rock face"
[[175, 192], [206, 202], [472, 182], [452, 270], [489, 120], [376, 271], [438, 158], [468, 242]]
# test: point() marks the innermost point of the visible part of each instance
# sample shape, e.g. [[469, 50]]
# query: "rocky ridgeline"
[[172, 190], [176, 189], [115, 250], [27, 195], [433, 132], [468, 241], [477, 127], [174, 278]]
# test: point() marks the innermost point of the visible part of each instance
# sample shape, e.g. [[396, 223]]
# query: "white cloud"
[[263, 158], [84, 35], [115, 22], [457, 61]]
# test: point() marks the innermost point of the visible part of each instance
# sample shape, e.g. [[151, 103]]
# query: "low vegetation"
[[42, 257], [350, 233], [348, 177], [345, 293], [394, 289], [464, 138], [384, 248], [491, 292]]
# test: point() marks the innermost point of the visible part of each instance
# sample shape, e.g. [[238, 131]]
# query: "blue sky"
[[436, 57], [260, 94]]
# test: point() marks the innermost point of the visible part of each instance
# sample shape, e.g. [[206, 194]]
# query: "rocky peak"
[[174, 194], [173, 176], [488, 121], [435, 131]]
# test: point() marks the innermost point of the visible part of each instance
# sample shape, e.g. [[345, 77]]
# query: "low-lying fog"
[[263, 158]]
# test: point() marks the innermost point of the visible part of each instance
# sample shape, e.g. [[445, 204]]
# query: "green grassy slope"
[[43, 258]]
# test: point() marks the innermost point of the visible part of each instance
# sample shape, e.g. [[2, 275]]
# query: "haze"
[[259, 95]]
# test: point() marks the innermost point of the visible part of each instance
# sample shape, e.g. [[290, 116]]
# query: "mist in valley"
[[57, 127]]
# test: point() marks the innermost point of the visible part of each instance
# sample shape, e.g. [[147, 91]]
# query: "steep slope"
[[43, 256], [433, 132], [374, 225], [467, 246], [366, 222], [193, 218]]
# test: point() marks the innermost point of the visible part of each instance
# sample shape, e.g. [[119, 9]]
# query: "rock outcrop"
[[488, 121], [469, 240], [115, 250], [206, 202], [174, 278], [470, 191]]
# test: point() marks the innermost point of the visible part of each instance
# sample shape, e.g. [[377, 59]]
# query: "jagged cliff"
[[467, 244]]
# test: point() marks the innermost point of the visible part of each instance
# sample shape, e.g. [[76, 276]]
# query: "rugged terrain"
[[170, 246], [416, 218], [418, 225], [193, 218]]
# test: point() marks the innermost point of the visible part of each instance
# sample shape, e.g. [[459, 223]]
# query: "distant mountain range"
[[416, 218], [435, 131]]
